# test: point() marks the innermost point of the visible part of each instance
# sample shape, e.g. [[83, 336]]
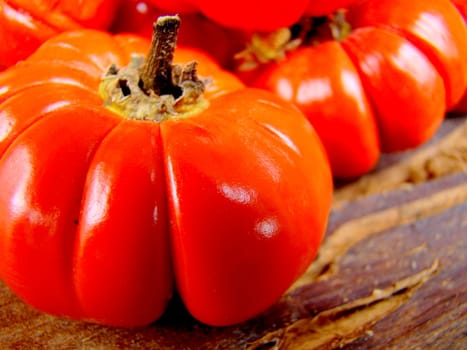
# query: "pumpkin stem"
[[264, 48], [156, 75], [153, 88]]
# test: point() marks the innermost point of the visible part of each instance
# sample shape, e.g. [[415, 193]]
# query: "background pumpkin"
[[222, 43], [461, 107], [382, 87], [25, 24]]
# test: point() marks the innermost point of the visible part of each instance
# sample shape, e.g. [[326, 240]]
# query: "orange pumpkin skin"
[[103, 216], [384, 88], [25, 24]]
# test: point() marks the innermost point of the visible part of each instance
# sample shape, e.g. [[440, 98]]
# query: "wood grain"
[[391, 273]]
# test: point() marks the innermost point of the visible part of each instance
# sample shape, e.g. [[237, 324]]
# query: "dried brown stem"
[[156, 73]]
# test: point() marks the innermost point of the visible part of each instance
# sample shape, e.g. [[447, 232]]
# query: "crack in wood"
[[343, 324], [351, 233]]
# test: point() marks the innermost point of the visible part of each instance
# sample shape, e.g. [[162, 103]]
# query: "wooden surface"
[[391, 274]]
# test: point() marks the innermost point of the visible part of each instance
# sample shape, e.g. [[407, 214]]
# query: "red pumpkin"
[[115, 192], [137, 16], [254, 15], [25, 24], [324, 8], [461, 107], [382, 87]]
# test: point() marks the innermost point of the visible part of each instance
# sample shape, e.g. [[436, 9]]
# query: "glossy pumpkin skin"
[[385, 88], [442, 38], [102, 216], [25, 24]]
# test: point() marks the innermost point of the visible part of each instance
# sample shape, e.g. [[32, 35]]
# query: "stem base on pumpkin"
[[154, 88]]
